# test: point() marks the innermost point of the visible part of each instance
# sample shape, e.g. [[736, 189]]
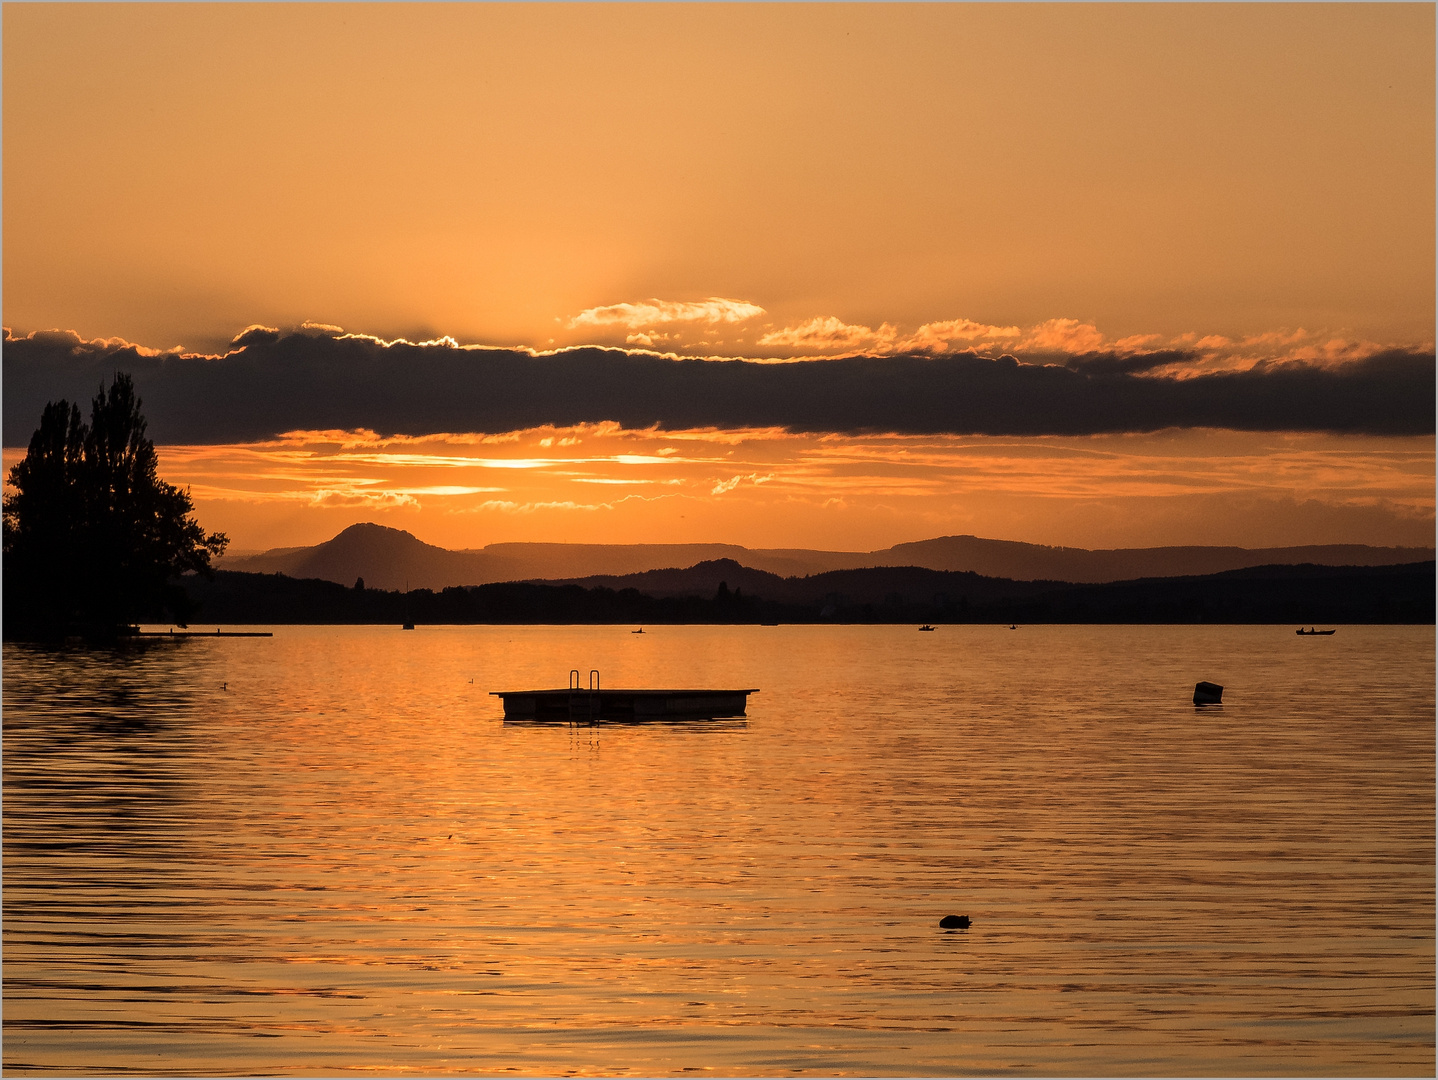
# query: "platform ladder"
[[585, 706]]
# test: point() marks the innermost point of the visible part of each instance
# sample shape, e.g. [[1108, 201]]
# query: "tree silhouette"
[[92, 535]]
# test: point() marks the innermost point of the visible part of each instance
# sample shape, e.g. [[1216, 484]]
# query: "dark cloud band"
[[274, 383]]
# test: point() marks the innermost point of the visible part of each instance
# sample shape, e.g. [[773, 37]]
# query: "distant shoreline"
[[1402, 594]]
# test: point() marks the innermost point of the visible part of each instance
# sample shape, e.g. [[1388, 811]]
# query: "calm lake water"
[[324, 852]]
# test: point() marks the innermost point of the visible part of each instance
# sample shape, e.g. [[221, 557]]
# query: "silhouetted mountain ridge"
[[894, 586], [391, 558]]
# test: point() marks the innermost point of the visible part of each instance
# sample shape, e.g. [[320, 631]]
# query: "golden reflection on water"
[[323, 852]]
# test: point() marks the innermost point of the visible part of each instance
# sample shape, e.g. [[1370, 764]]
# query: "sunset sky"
[[1108, 275]]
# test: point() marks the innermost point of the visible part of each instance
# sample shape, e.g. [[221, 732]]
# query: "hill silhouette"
[[389, 558], [879, 586], [386, 558], [1012, 559]]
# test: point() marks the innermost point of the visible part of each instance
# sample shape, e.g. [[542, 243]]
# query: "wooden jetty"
[[577, 704], [199, 633]]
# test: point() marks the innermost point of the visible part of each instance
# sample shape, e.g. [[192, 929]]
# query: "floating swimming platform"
[[578, 704]]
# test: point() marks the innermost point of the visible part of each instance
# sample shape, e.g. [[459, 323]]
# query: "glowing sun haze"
[[1128, 192]]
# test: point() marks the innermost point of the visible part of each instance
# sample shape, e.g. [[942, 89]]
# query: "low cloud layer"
[[739, 329], [273, 382]]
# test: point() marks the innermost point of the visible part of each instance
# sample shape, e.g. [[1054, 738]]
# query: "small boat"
[[926, 626], [639, 631], [1013, 627], [1310, 632], [408, 626]]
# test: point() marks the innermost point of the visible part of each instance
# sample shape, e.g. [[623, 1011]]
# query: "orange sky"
[[766, 488], [1251, 182]]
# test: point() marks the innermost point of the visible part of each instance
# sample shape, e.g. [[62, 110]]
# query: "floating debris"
[[1208, 693]]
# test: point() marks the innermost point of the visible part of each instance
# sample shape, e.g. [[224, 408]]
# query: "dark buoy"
[[954, 922], [1208, 693]]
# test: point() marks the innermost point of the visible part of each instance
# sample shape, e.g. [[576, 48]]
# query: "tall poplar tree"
[[92, 536]]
